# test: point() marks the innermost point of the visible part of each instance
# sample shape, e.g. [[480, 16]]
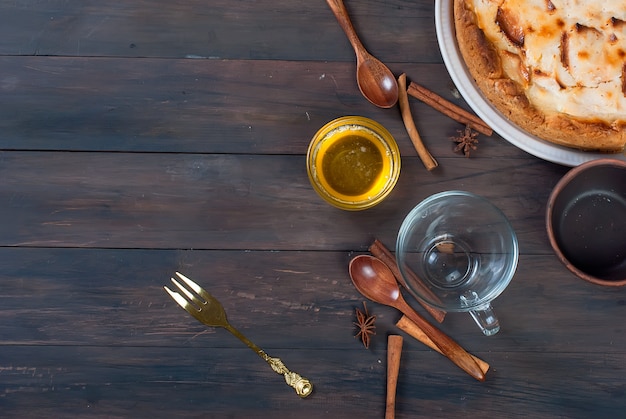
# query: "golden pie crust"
[[565, 102]]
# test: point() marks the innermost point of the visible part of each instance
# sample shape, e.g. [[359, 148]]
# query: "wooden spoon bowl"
[[376, 82]]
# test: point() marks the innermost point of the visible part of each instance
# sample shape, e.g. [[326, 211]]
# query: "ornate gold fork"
[[207, 309]]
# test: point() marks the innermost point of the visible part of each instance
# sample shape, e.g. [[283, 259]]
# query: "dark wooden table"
[[140, 138]]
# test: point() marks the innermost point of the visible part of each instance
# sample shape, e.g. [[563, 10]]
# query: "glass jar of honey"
[[353, 162]]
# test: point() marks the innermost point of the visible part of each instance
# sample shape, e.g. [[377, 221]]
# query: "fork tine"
[[197, 288], [178, 298], [194, 298], [184, 303]]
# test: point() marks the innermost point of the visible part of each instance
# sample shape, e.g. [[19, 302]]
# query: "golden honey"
[[353, 163]]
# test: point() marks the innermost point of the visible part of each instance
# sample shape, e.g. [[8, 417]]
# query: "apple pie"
[[556, 68]]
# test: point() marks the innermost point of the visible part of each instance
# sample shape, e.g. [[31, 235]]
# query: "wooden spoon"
[[375, 281], [376, 82]]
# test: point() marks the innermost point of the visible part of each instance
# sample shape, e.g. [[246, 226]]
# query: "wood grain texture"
[[281, 299], [220, 29], [203, 106], [142, 138], [128, 200], [127, 337]]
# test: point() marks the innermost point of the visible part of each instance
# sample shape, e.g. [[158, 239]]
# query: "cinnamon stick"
[[406, 325], [409, 124], [379, 250], [448, 108], [394, 351]]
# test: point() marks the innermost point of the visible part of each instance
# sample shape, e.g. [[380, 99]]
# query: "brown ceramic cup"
[[586, 221]]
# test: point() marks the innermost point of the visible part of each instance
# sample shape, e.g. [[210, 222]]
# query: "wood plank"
[[264, 202], [294, 30], [280, 300], [175, 382], [205, 106]]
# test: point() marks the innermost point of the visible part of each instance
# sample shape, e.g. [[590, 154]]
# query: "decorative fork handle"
[[302, 385]]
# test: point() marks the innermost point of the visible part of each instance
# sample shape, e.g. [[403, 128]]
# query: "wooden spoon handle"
[[341, 13], [448, 347], [379, 250], [412, 329]]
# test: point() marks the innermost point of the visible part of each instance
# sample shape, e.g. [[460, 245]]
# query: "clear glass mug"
[[457, 252]]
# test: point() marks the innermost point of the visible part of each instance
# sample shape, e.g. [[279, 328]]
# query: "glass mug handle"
[[483, 315], [486, 319]]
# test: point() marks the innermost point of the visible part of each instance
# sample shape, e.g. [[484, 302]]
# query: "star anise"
[[466, 140], [365, 323]]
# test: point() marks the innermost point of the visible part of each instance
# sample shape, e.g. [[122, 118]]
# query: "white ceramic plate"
[[444, 22]]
